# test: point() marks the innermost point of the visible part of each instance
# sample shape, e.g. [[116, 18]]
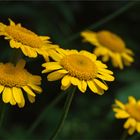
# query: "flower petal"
[[56, 75], [28, 90], [16, 94], [100, 84], [1, 88], [6, 96]]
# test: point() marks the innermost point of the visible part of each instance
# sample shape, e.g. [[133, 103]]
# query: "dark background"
[[90, 115]]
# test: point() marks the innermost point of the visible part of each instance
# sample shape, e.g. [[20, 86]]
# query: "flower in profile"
[[80, 69], [14, 79], [30, 43], [129, 111], [109, 46]]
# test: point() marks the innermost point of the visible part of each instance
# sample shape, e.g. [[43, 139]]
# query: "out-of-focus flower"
[[129, 111], [109, 46]]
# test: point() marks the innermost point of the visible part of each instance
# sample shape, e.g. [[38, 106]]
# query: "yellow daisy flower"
[[14, 79], [79, 69], [30, 43], [109, 46], [129, 111]]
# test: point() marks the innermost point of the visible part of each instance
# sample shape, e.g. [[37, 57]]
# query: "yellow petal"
[[14, 44], [12, 100], [100, 84], [119, 60], [131, 130], [65, 81], [31, 98], [65, 87], [127, 57], [120, 104], [138, 127], [131, 100], [16, 94], [80, 86], [56, 75], [28, 90], [92, 86], [121, 114], [105, 71], [130, 123], [74, 81], [83, 85], [6, 96], [55, 56], [106, 77], [1, 88], [50, 66], [88, 54], [100, 64], [35, 88], [22, 99], [28, 51], [11, 22]]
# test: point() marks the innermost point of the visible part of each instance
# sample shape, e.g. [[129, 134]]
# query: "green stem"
[[3, 111], [41, 116], [124, 135], [102, 21], [64, 114]]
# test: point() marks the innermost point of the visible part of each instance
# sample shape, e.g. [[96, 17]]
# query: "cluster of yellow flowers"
[[110, 46], [77, 68]]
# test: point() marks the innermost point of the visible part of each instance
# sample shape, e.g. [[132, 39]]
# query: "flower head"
[[109, 46], [129, 111], [14, 79], [79, 69], [30, 43]]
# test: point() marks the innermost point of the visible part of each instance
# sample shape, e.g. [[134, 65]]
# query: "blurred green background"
[[90, 116]]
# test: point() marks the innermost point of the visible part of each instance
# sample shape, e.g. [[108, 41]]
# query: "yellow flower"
[[30, 43], [109, 46], [14, 79], [79, 69], [129, 111]]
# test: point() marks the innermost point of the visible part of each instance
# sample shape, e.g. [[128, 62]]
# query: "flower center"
[[111, 41], [10, 76], [134, 110], [79, 66], [24, 36]]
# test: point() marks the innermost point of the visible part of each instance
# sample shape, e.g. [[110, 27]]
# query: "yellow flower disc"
[[111, 41], [133, 110], [10, 76], [79, 66], [27, 37]]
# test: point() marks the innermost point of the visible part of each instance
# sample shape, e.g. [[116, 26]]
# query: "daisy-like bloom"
[[79, 69], [30, 43], [109, 46], [14, 80], [129, 111]]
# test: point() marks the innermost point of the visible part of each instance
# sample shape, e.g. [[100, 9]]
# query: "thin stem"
[[64, 114], [102, 21], [124, 135], [3, 111], [41, 116]]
